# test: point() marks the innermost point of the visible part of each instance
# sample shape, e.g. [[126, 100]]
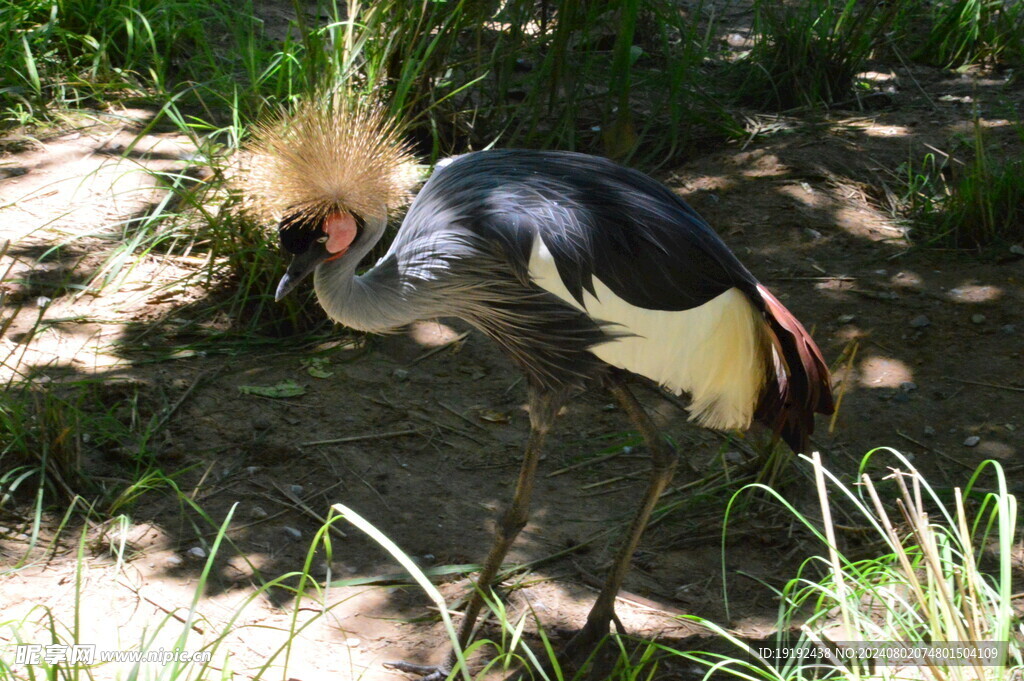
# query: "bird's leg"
[[663, 465], [544, 406]]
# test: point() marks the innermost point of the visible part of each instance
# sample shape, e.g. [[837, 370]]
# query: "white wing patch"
[[715, 352]]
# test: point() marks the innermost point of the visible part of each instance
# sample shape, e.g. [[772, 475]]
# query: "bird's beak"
[[302, 266]]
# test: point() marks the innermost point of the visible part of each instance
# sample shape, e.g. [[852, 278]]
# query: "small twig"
[[489, 466], [604, 492], [371, 487], [987, 385], [513, 384], [445, 426], [258, 521], [609, 481], [166, 416], [159, 606], [825, 278], [300, 505], [588, 462], [936, 451], [202, 479], [465, 418], [361, 438], [842, 388]]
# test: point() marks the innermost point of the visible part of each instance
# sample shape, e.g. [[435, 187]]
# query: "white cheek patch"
[[716, 352], [341, 231]]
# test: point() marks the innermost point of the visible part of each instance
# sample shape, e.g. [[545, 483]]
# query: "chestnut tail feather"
[[797, 388]]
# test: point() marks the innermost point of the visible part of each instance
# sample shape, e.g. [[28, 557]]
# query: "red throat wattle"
[[341, 231]]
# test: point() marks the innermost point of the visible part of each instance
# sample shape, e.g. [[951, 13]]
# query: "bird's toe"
[[425, 672]]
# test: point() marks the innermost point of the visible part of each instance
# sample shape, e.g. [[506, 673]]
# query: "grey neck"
[[380, 300]]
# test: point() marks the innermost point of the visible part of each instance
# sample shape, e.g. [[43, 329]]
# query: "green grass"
[[461, 74], [977, 204], [807, 53], [185, 624], [58, 54], [86, 439], [964, 32], [930, 565], [937, 569]]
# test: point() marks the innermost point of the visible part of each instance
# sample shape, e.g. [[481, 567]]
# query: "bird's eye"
[[322, 240]]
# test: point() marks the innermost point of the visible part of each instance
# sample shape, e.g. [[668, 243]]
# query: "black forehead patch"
[[298, 233]]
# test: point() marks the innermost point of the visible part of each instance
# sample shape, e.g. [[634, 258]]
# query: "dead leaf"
[[493, 416], [287, 388]]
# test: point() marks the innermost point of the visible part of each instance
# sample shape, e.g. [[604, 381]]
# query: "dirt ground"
[[427, 428]]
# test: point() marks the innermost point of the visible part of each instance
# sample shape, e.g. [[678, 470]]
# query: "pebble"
[[920, 321], [812, 233], [734, 457], [929, 431], [907, 386], [173, 561], [1009, 329], [846, 318], [295, 489], [972, 441], [261, 423], [251, 470], [977, 319], [352, 642], [197, 552], [258, 512], [292, 532], [737, 40], [400, 374], [1017, 249], [902, 398]]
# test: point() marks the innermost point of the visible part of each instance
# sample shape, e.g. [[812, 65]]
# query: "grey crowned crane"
[[581, 270]]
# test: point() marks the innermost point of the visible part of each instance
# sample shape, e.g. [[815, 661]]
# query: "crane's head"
[[325, 173]]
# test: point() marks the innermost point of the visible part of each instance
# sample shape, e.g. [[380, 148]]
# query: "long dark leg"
[[544, 406], [663, 466]]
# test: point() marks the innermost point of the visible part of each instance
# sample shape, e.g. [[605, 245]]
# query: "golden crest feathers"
[[329, 155]]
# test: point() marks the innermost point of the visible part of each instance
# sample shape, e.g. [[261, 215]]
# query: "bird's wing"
[[597, 219]]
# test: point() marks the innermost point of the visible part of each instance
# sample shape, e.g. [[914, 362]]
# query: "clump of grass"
[[74, 53], [198, 227], [40, 438], [63, 442], [977, 204], [807, 53], [941, 573], [962, 32], [212, 634], [454, 72]]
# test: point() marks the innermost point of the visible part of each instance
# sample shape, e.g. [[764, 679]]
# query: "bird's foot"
[[585, 641], [425, 672]]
